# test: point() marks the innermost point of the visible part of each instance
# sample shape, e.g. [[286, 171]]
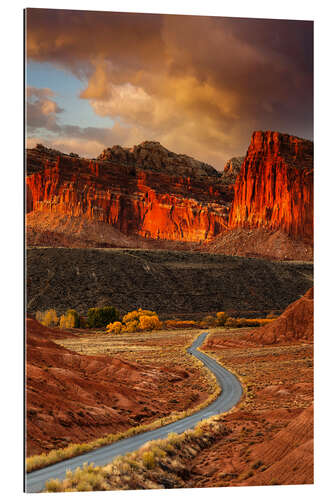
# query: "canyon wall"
[[260, 205], [274, 189], [137, 201]]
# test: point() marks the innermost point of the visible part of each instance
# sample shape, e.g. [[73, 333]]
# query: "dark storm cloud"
[[200, 85]]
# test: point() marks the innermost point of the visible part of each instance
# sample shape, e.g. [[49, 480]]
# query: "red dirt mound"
[[296, 323], [290, 452], [75, 398]]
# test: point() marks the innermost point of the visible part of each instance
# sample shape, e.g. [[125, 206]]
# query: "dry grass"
[[278, 385], [265, 368], [157, 464], [168, 463], [167, 348]]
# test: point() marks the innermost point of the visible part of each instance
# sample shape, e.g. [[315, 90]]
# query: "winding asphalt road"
[[229, 397]]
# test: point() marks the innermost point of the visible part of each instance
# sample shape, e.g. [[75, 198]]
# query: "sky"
[[198, 85]]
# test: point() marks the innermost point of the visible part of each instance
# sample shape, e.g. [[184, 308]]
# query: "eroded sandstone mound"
[[296, 323], [75, 398], [289, 455]]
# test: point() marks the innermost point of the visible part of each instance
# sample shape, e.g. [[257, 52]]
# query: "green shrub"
[[70, 320], [76, 318], [83, 322], [99, 317]]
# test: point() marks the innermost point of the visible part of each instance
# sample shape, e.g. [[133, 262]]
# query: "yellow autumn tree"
[[135, 315], [48, 318], [115, 327], [130, 327], [150, 323]]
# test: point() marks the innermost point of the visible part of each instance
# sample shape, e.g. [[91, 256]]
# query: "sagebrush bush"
[[171, 323], [148, 459], [100, 317], [53, 486], [208, 321], [246, 322]]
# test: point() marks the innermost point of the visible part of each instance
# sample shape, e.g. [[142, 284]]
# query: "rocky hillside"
[[151, 155], [232, 169], [175, 284], [260, 243]]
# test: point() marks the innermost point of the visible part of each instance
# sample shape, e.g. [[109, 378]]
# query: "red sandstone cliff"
[[136, 201], [274, 189], [147, 195]]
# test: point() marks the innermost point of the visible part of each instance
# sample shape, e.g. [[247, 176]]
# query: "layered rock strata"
[[148, 203], [274, 189]]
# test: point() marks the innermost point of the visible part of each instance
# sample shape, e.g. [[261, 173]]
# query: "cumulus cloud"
[[199, 85], [41, 109]]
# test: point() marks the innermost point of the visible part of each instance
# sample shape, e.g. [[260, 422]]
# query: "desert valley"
[[169, 236], [170, 247]]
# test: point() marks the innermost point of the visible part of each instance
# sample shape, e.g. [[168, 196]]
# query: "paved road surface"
[[231, 394]]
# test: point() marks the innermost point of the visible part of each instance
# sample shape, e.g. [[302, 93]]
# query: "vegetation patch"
[[157, 464], [136, 321], [208, 380]]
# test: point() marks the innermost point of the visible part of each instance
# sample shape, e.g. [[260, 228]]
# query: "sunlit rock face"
[[149, 192], [191, 205], [274, 189]]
